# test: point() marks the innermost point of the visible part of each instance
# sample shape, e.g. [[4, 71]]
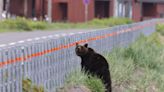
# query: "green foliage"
[[145, 52], [38, 25], [79, 78], [95, 23], [139, 67], [19, 23], [120, 68], [28, 86], [95, 84], [110, 22], [29, 25], [160, 29], [22, 24]]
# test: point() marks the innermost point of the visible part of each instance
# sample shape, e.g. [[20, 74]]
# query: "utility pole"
[[1, 8], [25, 7], [7, 8], [86, 4], [86, 12], [49, 11]]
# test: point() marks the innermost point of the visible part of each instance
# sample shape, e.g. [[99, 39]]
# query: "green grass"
[[110, 22], [28, 86], [95, 23], [22, 24], [137, 68], [160, 29], [79, 78], [140, 66]]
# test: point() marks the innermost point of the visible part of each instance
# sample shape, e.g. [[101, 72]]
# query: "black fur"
[[95, 64]]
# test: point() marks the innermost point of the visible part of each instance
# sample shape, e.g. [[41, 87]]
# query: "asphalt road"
[[12, 37]]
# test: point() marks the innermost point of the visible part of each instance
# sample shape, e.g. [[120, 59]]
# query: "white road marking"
[[13, 43]]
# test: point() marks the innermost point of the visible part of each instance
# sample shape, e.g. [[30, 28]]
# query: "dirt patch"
[[138, 72], [122, 87], [79, 88], [118, 88], [152, 88]]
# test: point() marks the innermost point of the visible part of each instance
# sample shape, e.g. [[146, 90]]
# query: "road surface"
[[12, 37]]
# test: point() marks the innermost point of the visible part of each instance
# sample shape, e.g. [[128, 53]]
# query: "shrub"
[[28, 86], [18, 23], [110, 21], [78, 78], [145, 52], [41, 25], [28, 25], [160, 29], [22, 24]]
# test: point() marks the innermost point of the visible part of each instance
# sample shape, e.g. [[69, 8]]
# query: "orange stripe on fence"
[[19, 59]]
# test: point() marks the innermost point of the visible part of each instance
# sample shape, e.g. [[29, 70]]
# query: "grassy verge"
[[22, 24], [78, 78], [138, 68], [160, 29]]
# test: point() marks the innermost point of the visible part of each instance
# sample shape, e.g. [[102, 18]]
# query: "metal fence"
[[48, 60]]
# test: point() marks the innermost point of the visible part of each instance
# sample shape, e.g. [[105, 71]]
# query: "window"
[[4, 5]]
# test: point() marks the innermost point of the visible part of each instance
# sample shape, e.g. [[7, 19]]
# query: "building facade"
[[79, 10], [63, 10], [84, 10], [140, 10], [28, 8]]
